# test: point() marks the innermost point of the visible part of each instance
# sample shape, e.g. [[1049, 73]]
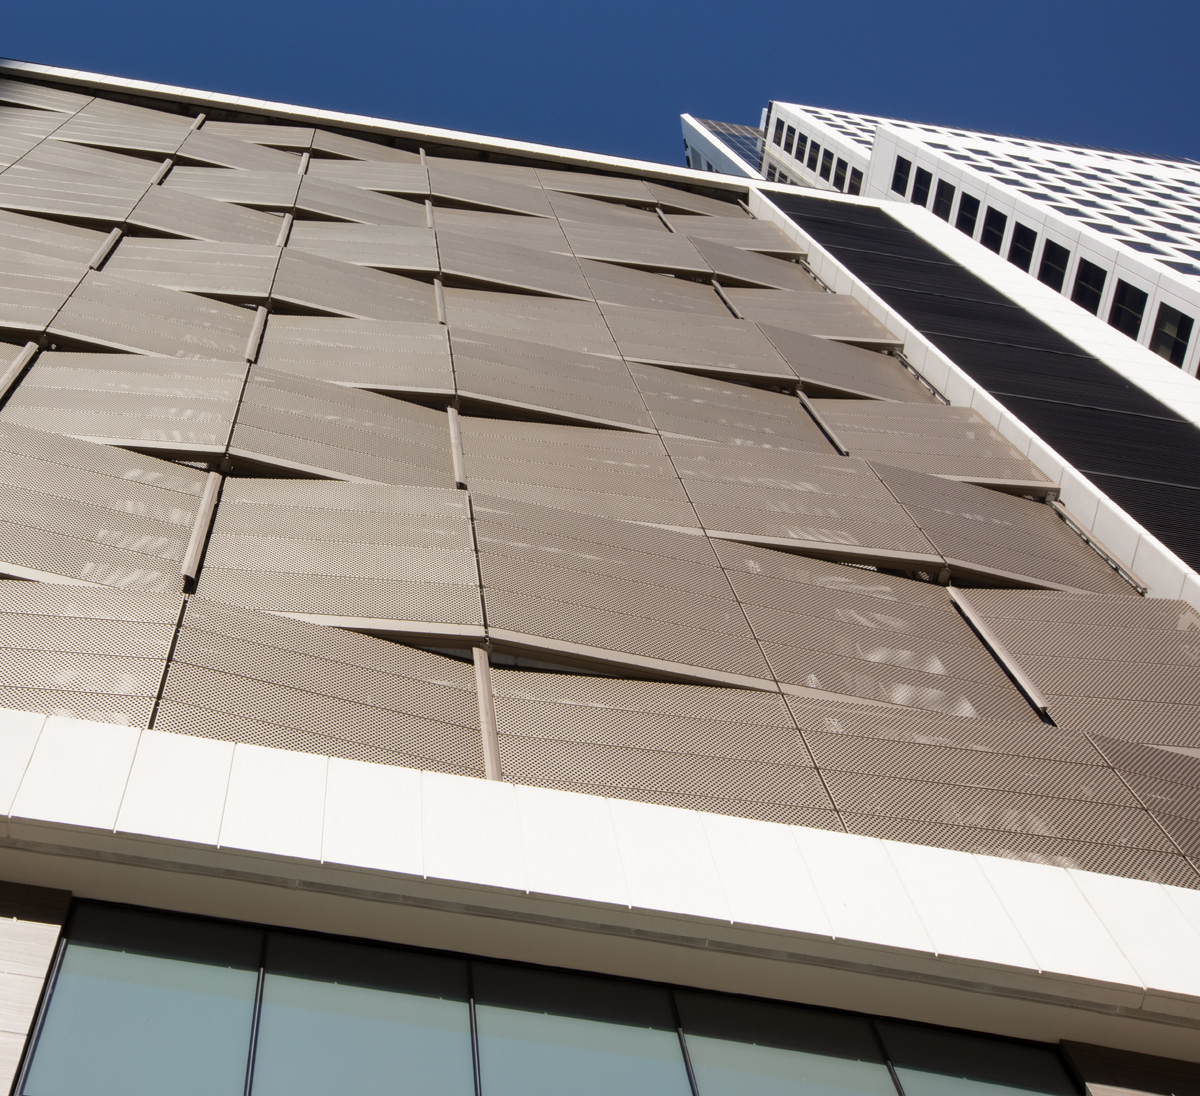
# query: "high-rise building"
[[1115, 232], [484, 618]]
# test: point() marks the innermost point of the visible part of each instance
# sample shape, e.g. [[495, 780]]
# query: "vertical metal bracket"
[[487, 714], [190, 567], [457, 456]]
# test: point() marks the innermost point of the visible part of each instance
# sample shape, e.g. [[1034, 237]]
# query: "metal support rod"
[[190, 567], [1032, 693], [161, 173], [487, 714], [725, 299], [285, 230], [197, 122], [825, 428], [663, 217], [421, 153], [456, 449], [429, 213], [256, 333], [304, 160], [12, 374], [439, 297], [110, 241]]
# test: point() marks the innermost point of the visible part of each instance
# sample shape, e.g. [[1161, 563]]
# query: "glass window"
[[801, 144], [342, 1017], [900, 175], [777, 136], [839, 174], [968, 214], [789, 139], [921, 186], [943, 200], [826, 164], [545, 1032], [752, 1048], [1020, 250], [770, 173], [856, 180], [1089, 286], [1172, 332], [783, 177], [814, 154], [1128, 307], [145, 1004], [994, 224], [1053, 268], [930, 1062]]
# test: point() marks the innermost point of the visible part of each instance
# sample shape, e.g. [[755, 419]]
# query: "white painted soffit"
[[313, 116], [1120, 535], [831, 918]]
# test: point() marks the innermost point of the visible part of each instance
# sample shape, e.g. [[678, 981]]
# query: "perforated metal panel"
[[327, 199], [486, 192], [359, 148], [641, 289], [384, 355], [336, 550], [93, 514], [167, 403], [178, 213], [740, 232], [64, 158], [736, 267], [43, 96], [301, 427], [981, 531], [591, 211], [207, 146], [613, 187], [828, 315], [257, 189], [328, 287], [646, 248], [241, 271], [493, 263], [572, 325], [79, 197], [296, 138], [107, 124], [536, 380], [115, 312], [387, 247]]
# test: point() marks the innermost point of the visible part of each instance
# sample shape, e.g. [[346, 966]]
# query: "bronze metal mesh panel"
[[573, 325], [383, 355], [385, 247], [296, 138], [257, 189], [592, 211], [616, 188], [124, 126], [625, 285], [244, 271], [360, 148], [546, 381], [477, 190], [497, 263], [743, 233], [826, 315], [676, 199], [975, 527], [734, 267], [326, 199], [327, 286], [649, 248], [179, 213]]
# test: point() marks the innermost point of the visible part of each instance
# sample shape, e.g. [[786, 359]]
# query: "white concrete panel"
[[1055, 920], [1151, 931], [77, 773], [861, 892], [957, 905], [373, 817], [668, 863], [276, 802], [763, 875], [177, 788], [471, 831], [571, 846], [18, 734]]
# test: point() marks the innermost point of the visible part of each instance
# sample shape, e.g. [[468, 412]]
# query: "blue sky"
[[614, 77]]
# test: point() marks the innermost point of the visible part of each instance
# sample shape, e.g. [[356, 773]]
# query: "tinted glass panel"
[[789, 140], [777, 136], [1053, 268], [855, 186], [1128, 307], [968, 214], [839, 174], [145, 1005], [826, 164], [770, 172], [750, 1048], [546, 1033], [921, 185], [941, 1063], [1020, 251], [801, 144], [1089, 286], [1172, 332], [943, 200], [900, 175], [994, 224], [814, 153], [339, 1017]]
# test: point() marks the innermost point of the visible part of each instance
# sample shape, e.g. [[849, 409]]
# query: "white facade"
[[1135, 219]]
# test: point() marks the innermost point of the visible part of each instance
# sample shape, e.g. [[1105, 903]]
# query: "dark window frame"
[[943, 200], [922, 185], [1054, 264], [900, 176]]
